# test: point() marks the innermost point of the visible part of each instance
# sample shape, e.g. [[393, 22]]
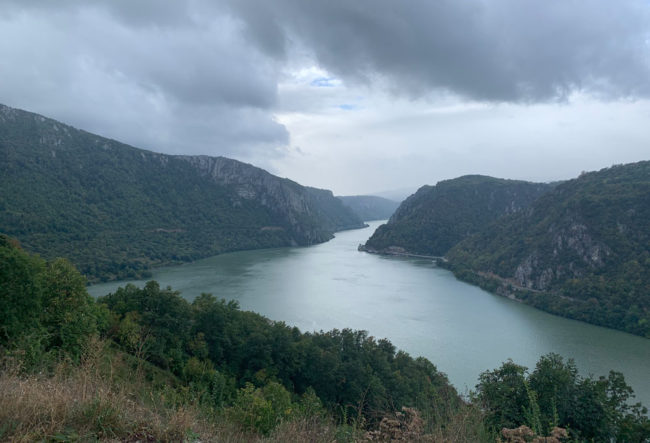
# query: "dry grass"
[[85, 403], [309, 430], [464, 426], [106, 398]]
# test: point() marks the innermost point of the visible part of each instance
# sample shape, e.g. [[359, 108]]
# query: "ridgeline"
[[115, 210], [435, 218], [581, 251], [370, 207]]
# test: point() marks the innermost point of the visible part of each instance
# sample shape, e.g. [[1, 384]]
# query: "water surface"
[[422, 309]]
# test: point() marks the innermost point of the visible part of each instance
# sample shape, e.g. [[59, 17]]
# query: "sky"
[[359, 97]]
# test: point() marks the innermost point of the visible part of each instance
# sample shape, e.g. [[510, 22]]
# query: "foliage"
[[45, 306], [581, 251], [555, 395], [69, 316], [115, 211], [20, 291], [261, 409], [435, 218], [345, 369], [185, 362], [502, 393]]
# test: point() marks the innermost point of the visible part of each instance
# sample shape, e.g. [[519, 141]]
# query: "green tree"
[[69, 312], [20, 292], [159, 319], [554, 382], [503, 396]]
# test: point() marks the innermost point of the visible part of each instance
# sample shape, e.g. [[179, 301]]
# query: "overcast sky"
[[355, 96]]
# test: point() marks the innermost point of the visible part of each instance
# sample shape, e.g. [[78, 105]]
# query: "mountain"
[[370, 207], [435, 218], [581, 250], [397, 195], [116, 210]]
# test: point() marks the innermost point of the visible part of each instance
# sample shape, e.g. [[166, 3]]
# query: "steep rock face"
[[313, 214], [115, 210], [435, 218], [573, 239], [582, 248]]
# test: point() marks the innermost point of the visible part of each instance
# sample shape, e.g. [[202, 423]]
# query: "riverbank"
[[396, 251], [418, 305]]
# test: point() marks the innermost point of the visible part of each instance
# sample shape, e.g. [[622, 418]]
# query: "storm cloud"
[[286, 83], [163, 77], [506, 50]]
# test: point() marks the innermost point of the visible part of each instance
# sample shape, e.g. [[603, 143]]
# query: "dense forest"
[[580, 251], [115, 210], [435, 218], [146, 364]]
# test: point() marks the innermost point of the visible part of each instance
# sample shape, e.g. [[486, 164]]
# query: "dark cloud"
[[506, 50], [169, 76], [202, 76]]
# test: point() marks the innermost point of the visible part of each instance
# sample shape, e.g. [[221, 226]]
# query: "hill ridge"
[[116, 210]]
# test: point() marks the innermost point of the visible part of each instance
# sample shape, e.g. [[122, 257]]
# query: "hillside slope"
[[370, 207], [116, 210], [435, 218], [581, 250]]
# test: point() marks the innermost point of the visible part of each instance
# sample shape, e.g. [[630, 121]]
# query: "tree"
[[20, 292], [69, 314], [503, 396], [554, 382]]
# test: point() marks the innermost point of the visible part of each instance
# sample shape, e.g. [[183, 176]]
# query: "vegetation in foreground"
[[146, 365]]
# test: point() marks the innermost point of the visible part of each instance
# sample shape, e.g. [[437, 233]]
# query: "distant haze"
[[358, 97]]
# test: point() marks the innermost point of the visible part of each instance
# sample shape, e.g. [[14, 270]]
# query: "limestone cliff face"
[[311, 214], [115, 210], [573, 252], [581, 250]]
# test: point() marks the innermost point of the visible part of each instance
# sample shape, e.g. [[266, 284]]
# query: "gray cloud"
[[508, 50], [231, 77], [171, 77]]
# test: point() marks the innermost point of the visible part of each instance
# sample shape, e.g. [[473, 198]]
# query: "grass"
[[112, 396], [86, 403]]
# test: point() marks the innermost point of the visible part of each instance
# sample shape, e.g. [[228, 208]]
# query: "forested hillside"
[[580, 251], [370, 207], [144, 364], [435, 218], [115, 210]]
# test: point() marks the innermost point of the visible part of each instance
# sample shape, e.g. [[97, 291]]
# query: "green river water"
[[422, 309]]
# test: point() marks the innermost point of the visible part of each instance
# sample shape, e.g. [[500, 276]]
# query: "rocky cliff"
[[582, 250], [312, 214], [116, 210]]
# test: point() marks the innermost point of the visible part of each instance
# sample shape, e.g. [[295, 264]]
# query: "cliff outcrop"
[[583, 249], [115, 210]]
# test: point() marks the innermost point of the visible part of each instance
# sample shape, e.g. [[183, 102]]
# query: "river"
[[422, 309]]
